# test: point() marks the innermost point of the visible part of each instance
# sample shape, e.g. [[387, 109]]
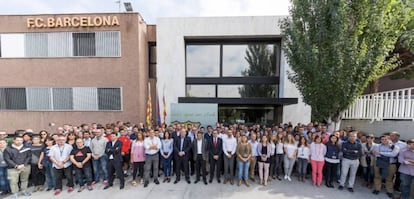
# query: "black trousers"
[[200, 165], [59, 177], [115, 167], [138, 169], [213, 165], [37, 176], [182, 163], [330, 172]]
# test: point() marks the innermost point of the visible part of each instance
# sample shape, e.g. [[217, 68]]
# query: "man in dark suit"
[[114, 165], [215, 151], [200, 156], [182, 147]]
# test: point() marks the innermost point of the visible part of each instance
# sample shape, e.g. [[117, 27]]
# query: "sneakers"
[[15, 196], [340, 187], [285, 177], [105, 182], [81, 189], [350, 189], [288, 178], [58, 191], [70, 189], [26, 193], [90, 188]]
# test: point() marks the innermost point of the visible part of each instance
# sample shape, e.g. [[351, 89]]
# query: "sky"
[[150, 9]]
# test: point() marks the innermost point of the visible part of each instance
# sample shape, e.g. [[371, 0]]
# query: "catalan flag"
[[149, 108], [164, 112]]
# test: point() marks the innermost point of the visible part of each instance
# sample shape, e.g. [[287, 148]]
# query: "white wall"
[[171, 53]]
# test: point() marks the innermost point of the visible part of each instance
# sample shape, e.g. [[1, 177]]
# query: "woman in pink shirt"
[[317, 151], [138, 158]]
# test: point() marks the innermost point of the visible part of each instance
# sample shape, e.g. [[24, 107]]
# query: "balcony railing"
[[389, 105]]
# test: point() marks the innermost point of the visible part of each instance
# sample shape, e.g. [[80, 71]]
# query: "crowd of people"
[[237, 154]]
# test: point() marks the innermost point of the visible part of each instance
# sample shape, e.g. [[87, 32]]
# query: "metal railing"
[[389, 105]]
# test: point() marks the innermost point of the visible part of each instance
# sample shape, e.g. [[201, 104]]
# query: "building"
[[234, 62], [74, 68]]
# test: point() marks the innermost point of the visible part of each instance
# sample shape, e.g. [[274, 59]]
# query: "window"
[[61, 99], [109, 99], [203, 60], [232, 68], [13, 98], [247, 91], [201, 91], [244, 60], [38, 99], [84, 44], [60, 44], [12, 45]]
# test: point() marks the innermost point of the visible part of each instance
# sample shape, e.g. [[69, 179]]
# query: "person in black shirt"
[[80, 157]]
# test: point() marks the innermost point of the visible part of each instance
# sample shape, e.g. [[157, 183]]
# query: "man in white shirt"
[[59, 155], [152, 146], [229, 149]]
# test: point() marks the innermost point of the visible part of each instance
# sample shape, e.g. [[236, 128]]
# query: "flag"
[[158, 112], [164, 112], [149, 108]]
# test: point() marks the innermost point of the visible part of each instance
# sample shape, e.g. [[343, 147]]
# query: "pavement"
[[275, 189]]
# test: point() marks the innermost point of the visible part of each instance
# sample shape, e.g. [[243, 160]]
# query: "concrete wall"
[[405, 128], [130, 71], [171, 33]]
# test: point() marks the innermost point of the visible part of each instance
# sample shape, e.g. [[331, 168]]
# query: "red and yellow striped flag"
[[149, 108]]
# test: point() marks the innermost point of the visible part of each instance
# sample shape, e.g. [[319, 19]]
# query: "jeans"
[[86, 170], [243, 170], [4, 183], [100, 164], [302, 167], [368, 173], [317, 167], [406, 181], [288, 165], [166, 165], [50, 176], [350, 166]]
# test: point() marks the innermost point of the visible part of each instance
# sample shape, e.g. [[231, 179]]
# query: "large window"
[[84, 44], [60, 44], [203, 60], [232, 69], [61, 99], [244, 60]]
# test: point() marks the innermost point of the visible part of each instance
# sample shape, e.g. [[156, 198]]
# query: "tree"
[[336, 47], [262, 62]]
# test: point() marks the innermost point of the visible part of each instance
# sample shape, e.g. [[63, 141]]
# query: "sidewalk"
[[182, 190]]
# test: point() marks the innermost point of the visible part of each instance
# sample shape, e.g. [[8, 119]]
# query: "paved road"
[[275, 189]]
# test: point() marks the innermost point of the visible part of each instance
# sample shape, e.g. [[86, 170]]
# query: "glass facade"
[[245, 60], [242, 77], [203, 60]]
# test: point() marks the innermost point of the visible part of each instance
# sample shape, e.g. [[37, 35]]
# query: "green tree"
[[336, 47], [262, 62]]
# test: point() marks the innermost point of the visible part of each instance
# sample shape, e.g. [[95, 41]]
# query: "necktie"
[[215, 142]]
